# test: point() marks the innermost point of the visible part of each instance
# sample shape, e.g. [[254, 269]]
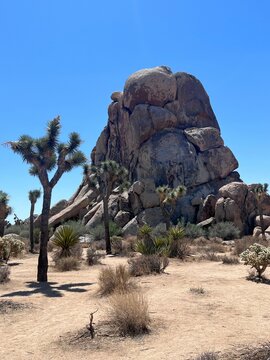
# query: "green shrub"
[[67, 263], [112, 280], [78, 227], [98, 232], [129, 313], [224, 230], [65, 238], [4, 274], [194, 231], [147, 264], [258, 257], [10, 246]]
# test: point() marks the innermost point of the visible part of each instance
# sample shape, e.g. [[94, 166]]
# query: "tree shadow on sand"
[[49, 289]]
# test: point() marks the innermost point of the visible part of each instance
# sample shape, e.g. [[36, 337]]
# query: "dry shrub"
[[180, 248], [100, 244], [93, 257], [4, 274], [116, 243], [147, 264], [67, 263], [210, 256], [197, 290], [244, 243], [116, 280], [207, 356], [230, 260], [129, 313], [216, 247]]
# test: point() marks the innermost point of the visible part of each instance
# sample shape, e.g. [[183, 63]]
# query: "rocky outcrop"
[[163, 130]]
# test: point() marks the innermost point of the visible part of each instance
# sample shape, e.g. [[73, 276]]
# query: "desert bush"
[[4, 274], [67, 263], [78, 227], [10, 246], [92, 256], [197, 290], [129, 313], [244, 243], [116, 243], [129, 245], [112, 280], [230, 260], [210, 256], [215, 247], [194, 231], [147, 264], [224, 230], [98, 232], [207, 356], [258, 257], [65, 238]]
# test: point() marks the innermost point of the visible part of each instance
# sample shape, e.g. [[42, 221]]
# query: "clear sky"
[[66, 57]]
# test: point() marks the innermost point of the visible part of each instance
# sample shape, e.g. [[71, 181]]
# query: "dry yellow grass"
[[233, 312]]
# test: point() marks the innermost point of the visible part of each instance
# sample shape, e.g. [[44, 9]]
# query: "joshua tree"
[[5, 210], [45, 154], [103, 179], [168, 199], [260, 191], [33, 195]]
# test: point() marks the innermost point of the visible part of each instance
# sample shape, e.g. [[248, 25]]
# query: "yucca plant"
[[5, 210], [65, 238]]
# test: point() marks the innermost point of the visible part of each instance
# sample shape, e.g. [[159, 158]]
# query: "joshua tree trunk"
[[31, 230], [44, 236], [2, 227], [106, 225], [262, 223]]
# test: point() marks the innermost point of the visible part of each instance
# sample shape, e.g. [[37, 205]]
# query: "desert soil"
[[232, 312]]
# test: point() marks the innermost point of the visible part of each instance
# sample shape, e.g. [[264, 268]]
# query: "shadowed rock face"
[[163, 130]]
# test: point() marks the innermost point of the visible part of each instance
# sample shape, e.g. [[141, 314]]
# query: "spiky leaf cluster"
[[106, 177], [33, 195], [46, 153], [169, 196], [65, 237]]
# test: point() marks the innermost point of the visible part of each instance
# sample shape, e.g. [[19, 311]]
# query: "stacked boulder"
[[163, 130]]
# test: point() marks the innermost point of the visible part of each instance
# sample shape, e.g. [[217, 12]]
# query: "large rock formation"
[[163, 130]]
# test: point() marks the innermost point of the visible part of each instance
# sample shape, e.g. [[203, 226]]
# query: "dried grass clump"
[[4, 274], [116, 280], [67, 263], [244, 243], [197, 290], [147, 264], [207, 356], [129, 313], [230, 260], [93, 257]]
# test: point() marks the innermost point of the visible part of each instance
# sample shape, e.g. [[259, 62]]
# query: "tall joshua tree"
[[5, 210], [44, 155], [168, 199], [103, 179], [33, 195], [260, 191]]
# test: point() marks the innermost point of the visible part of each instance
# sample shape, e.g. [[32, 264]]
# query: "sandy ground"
[[233, 311]]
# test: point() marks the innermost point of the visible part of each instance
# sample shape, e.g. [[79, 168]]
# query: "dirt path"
[[232, 311]]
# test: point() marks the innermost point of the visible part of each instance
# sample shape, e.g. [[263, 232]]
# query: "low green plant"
[[194, 231], [258, 257], [224, 230], [98, 232], [65, 238], [78, 227]]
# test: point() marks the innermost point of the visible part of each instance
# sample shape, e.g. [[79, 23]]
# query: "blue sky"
[[67, 57]]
